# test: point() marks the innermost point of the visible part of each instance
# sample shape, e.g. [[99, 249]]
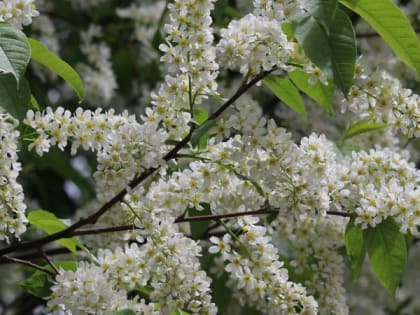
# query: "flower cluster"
[[166, 264], [89, 290], [190, 57], [254, 44], [379, 184], [99, 79], [12, 208], [280, 10], [256, 275], [310, 244], [124, 146], [17, 12], [378, 97]]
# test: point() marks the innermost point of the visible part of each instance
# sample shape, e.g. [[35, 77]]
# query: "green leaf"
[[15, 100], [387, 250], [355, 247], [34, 103], [49, 223], [200, 115], [320, 93], [286, 91], [124, 312], [14, 51], [323, 10], [342, 41], [199, 227], [287, 29], [232, 12], [201, 132], [311, 37], [362, 126], [394, 27], [37, 284], [44, 56], [338, 54]]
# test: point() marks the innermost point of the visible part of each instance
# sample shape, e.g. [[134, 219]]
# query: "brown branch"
[[28, 263], [127, 227], [48, 260], [93, 218], [340, 214]]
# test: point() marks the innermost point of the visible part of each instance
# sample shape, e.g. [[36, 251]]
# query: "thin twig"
[[28, 263], [36, 254], [127, 227], [48, 260]]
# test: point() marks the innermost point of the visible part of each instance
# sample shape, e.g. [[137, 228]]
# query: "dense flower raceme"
[[279, 10], [377, 96], [315, 241], [190, 57], [124, 146], [254, 44], [12, 208], [256, 275], [17, 12], [167, 263]]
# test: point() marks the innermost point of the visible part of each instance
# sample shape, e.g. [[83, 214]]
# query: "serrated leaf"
[[387, 250], [15, 100], [393, 26], [15, 51], [287, 92], [41, 54], [342, 41], [362, 126], [355, 247], [49, 223], [320, 93]]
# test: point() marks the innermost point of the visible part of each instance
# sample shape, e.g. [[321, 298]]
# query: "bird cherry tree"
[[209, 157]]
